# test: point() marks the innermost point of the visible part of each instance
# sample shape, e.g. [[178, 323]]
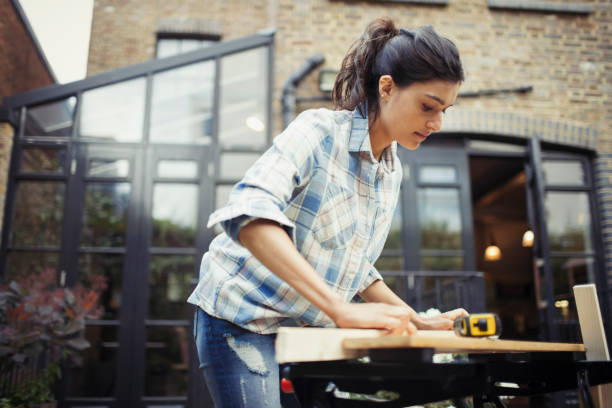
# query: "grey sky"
[[62, 28]]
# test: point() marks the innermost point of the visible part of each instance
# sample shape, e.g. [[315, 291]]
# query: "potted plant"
[[41, 325]]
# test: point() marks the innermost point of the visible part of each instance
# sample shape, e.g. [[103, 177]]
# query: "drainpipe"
[[288, 97]]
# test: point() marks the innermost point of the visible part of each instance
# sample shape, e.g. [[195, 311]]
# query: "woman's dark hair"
[[408, 56]]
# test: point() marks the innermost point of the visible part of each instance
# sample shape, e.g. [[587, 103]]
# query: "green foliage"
[[437, 235], [35, 391]]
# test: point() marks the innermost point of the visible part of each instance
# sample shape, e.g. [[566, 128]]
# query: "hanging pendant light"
[[492, 253], [528, 237]]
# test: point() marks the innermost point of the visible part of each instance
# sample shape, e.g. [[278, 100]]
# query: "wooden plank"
[[448, 342], [295, 344], [593, 336]]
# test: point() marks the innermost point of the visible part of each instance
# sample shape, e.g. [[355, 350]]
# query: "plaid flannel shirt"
[[321, 183]]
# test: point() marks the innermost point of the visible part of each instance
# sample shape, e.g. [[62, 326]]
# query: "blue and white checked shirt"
[[320, 181]]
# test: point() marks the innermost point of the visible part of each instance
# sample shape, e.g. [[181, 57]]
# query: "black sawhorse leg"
[[584, 388]]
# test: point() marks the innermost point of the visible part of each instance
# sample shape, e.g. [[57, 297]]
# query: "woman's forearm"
[[271, 245]]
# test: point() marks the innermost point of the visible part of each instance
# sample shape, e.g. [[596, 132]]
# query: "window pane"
[[108, 168], [437, 174], [568, 272], [175, 212], [105, 214], [564, 172], [442, 263], [394, 239], [222, 193], [167, 361], [25, 263], [177, 169], [235, 165], [170, 283], [167, 47], [39, 208], [43, 160], [569, 221], [181, 110], [439, 218], [389, 263], [114, 112], [95, 374], [50, 119], [110, 266], [244, 91]]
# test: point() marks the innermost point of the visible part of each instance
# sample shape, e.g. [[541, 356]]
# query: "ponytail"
[[408, 56]]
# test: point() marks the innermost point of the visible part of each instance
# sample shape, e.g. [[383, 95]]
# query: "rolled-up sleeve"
[[372, 276], [268, 186]]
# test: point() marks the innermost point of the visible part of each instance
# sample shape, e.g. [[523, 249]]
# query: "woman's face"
[[410, 114]]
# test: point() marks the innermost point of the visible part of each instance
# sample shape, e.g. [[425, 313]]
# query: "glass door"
[[566, 243], [437, 229], [101, 250], [179, 197]]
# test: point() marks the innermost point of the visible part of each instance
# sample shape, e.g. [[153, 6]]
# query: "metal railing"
[[443, 290]]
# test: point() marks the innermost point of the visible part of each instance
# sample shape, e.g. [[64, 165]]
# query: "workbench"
[[325, 366]]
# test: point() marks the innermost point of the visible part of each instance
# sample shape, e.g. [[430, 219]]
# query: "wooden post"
[[593, 336]]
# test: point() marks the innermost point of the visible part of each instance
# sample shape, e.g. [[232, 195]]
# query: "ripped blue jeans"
[[239, 366]]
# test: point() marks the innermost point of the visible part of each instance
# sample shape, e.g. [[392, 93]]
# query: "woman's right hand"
[[395, 319]]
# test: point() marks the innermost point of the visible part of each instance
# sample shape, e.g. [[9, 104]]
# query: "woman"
[[309, 219]]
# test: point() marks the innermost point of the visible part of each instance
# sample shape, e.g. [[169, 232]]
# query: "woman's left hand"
[[442, 321]]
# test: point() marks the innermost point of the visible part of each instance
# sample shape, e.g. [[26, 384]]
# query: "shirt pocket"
[[336, 222]]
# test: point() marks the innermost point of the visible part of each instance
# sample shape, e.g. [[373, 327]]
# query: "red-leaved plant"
[[39, 319]]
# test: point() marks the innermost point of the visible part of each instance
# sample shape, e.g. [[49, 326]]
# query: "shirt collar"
[[359, 141]]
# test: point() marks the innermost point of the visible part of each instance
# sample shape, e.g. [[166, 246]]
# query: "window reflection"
[[111, 267], [114, 112], [94, 374], [43, 160], [181, 110], [170, 283], [243, 113], [39, 209], [569, 221], [108, 167], [564, 172], [50, 119], [105, 214], [174, 215], [442, 263], [25, 263], [439, 218], [167, 361]]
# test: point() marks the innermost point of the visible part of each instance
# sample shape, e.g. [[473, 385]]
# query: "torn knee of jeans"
[[249, 355]]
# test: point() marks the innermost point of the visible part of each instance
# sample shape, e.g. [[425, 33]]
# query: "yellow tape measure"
[[478, 325]]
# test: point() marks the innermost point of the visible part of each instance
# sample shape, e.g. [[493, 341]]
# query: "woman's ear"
[[385, 85]]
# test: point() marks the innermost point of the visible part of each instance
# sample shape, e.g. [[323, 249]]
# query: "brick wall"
[[562, 49], [21, 68]]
